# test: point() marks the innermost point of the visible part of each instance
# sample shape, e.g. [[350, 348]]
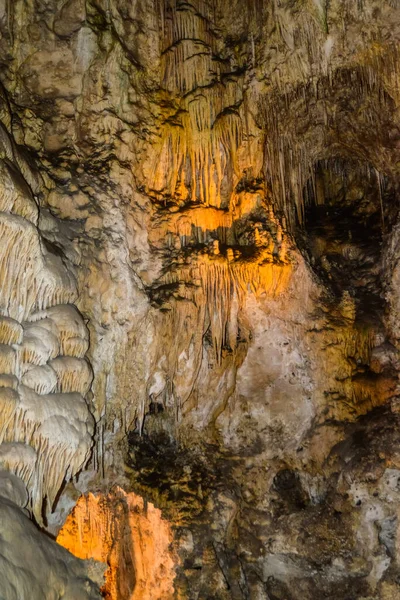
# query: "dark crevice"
[[349, 207]]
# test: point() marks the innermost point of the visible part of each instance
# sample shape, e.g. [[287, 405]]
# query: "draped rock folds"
[[46, 428], [31, 564]]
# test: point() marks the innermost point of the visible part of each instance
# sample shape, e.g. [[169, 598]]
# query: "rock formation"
[[46, 430], [33, 566], [199, 298], [130, 536]]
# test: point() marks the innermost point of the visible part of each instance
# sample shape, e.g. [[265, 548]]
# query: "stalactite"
[[218, 287], [225, 283], [199, 224], [45, 437], [20, 459], [15, 195], [206, 149], [8, 360], [11, 331], [33, 409], [357, 343], [41, 379], [290, 162], [73, 374], [195, 151], [39, 345], [9, 400], [32, 279], [20, 262], [9, 381], [184, 322], [302, 36], [73, 334], [58, 427]]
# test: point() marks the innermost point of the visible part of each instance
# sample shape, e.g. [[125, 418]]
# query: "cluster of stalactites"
[[221, 283], [197, 148], [203, 315], [45, 426], [298, 139], [206, 286]]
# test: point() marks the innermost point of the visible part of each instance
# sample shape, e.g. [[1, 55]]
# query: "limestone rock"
[[33, 566], [199, 281]]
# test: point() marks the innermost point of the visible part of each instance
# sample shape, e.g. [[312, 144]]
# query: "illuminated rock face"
[[214, 186], [128, 535], [46, 427], [34, 566]]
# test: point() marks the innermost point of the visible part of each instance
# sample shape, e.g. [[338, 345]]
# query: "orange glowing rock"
[[131, 537]]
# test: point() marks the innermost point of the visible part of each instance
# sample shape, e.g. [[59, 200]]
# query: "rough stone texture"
[[46, 428], [131, 537], [220, 181], [34, 566]]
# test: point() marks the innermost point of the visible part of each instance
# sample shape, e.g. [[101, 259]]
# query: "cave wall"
[[214, 187], [46, 431], [178, 185]]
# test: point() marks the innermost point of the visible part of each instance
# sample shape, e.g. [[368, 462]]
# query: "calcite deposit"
[[130, 536], [199, 299], [34, 566]]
